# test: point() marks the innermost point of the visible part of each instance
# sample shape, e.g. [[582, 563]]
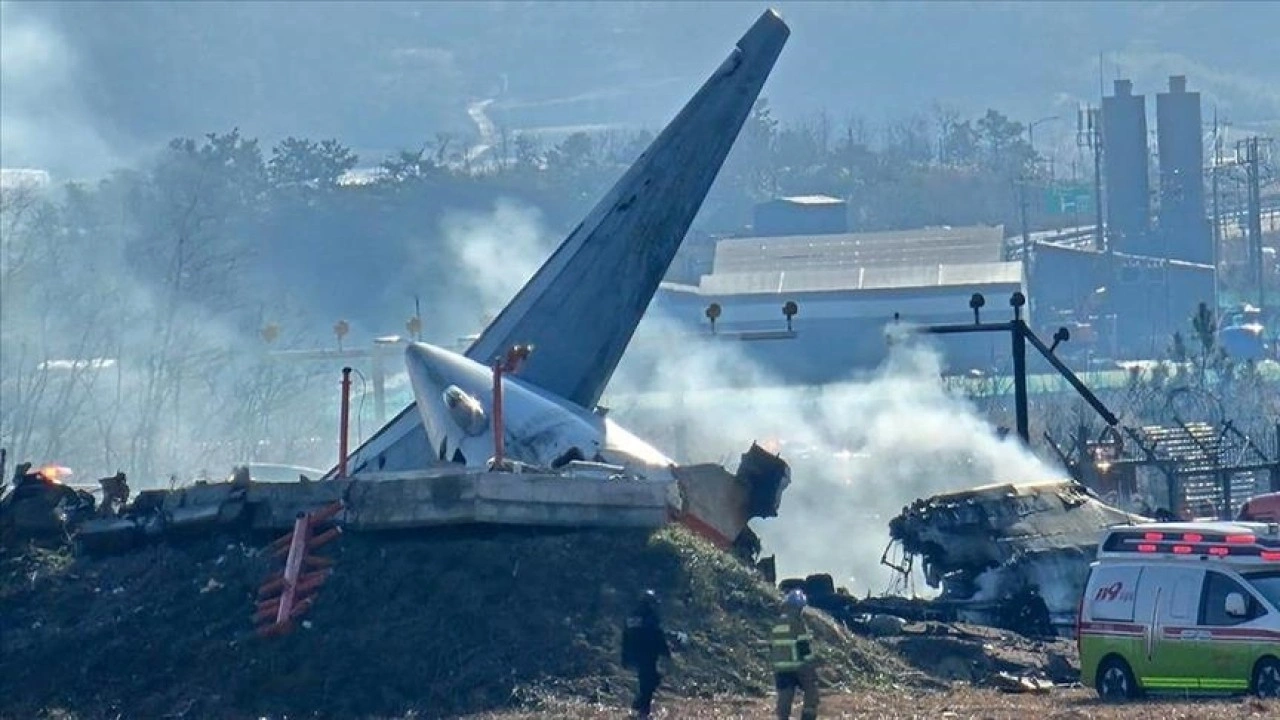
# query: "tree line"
[[138, 312]]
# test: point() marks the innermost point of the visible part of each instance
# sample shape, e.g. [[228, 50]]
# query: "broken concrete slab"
[[388, 502]]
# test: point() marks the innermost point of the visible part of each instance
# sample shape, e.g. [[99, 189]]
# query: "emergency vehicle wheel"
[[1115, 681], [1266, 678]]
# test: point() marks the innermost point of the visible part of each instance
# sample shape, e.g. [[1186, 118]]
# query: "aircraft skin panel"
[[401, 444], [455, 402], [581, 308]]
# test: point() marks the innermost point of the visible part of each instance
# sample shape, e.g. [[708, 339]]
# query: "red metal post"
[[508, 364], [293, 567], [498, 447], [344, 421]]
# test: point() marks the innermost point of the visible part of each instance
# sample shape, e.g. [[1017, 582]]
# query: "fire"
[[54, 473]]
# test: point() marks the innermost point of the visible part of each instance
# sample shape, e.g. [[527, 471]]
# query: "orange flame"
[[54, 473]]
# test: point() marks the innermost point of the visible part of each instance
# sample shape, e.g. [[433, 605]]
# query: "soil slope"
[[438, 626]]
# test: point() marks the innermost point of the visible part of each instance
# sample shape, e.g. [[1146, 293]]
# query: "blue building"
[[801, 215]]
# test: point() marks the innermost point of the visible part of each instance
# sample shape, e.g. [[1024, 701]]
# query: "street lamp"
[[1031, 133], [1023, 181], [713, 313], [789, 310]]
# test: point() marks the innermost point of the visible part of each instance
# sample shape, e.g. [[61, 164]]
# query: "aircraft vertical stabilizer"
[[582, 307]]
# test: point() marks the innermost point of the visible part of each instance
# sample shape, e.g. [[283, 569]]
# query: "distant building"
[[801, 215], [1124, 139], [847, 289], [1132, 303], [1185, 229], [13, 178]]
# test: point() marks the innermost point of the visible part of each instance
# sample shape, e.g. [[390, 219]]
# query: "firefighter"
[[644, 642], [791, 653]]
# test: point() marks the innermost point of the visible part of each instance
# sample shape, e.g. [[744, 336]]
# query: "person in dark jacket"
[[644, 642]]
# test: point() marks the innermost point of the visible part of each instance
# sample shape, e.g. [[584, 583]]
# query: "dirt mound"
[[440, 625]]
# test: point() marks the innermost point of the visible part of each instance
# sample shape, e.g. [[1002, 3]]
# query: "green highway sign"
[[1068, 199]]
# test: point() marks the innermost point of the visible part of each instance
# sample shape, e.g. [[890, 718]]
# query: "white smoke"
[[495, 254], [860, 450], [43, 119]]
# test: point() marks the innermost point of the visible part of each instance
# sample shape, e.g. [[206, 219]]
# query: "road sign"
[[1068, 199]]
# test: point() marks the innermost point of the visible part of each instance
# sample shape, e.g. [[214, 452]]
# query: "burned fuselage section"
[[1008, 555]]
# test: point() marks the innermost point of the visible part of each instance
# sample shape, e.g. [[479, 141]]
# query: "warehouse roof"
[[897, 248], [807, 200], [862, 278]]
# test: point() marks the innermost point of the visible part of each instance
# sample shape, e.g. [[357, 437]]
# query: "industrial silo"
[[1184, 228], [1124, 147]]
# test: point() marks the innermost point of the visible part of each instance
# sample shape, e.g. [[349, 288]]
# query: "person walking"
[[793, 658], [644, 643]]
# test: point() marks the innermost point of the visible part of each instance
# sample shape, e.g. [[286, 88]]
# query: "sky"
[[87, 87]]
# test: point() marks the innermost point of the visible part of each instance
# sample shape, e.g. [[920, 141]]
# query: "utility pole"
[[1217, 163], [1217, 213], [1022, 213], [1089, 134], [1022, 188], [1253, 178]]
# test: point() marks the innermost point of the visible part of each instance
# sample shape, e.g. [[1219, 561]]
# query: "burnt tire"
[[1115, 681], [1266, 678]]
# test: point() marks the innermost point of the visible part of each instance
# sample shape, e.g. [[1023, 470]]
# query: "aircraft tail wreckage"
[[487, 443], [582, 307]]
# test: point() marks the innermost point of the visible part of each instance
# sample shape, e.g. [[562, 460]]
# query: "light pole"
[[1022, 190], [1031, 134]]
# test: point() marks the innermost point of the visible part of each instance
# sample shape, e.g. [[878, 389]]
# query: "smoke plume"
[[860, 450], [494, 253], [44, 122]]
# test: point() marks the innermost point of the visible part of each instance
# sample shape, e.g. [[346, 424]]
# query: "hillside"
[[441, 626]]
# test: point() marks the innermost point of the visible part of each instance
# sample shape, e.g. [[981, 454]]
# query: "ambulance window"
[[1183, 599], [1267, 584], [1213, 602]]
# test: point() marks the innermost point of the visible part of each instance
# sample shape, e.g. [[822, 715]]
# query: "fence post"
[[1275, 463]]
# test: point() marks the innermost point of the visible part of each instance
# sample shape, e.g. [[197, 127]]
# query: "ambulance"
[[1183, 607]]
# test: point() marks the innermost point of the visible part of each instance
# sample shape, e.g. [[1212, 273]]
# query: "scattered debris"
[[976, 654], [1013, 556], [1010, 683], [40, 507]]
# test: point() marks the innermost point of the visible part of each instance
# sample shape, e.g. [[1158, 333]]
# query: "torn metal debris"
[[1013, 556]]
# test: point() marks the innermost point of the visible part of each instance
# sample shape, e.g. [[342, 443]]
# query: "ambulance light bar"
[[1212, 544]]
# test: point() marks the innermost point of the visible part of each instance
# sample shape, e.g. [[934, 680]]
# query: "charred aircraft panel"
[[997, 543]]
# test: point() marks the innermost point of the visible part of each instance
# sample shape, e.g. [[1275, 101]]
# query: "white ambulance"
[[1185, 607]]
